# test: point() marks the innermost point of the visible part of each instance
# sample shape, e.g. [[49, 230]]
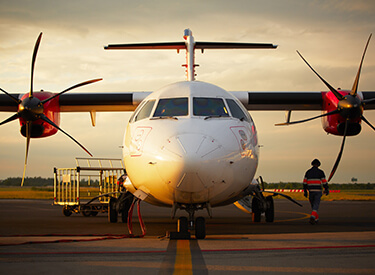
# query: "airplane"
[[191, 145]]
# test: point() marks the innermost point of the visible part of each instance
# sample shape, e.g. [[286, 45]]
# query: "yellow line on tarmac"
[[304, 216], [183, 263]]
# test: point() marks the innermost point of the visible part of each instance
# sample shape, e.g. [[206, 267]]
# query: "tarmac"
[[36, 238]]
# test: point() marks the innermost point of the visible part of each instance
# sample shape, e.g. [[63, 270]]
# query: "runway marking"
[[194, 254], [281, 269], [290, 248], [183, 252], [183, 263], [305, 216], [183, 257], [293, 269]]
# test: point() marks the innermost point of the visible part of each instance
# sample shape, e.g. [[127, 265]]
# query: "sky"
[[330, 34]]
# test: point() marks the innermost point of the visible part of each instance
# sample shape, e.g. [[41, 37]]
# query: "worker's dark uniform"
[[314, 182], [125, 199]]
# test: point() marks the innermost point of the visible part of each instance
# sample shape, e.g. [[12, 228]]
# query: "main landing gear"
[[261, 204], [257, 203], [185, 225], [120, 205]]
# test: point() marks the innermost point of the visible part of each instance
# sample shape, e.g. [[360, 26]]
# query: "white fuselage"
[[181, 154]]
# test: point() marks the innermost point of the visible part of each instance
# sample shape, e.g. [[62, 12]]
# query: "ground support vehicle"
[[89, 187]]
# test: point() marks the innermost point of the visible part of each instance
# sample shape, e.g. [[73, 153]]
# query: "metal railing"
[[92, 177]]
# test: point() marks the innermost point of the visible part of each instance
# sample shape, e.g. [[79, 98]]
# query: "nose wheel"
[[185, 225], [200, 228], [184, 228], [182, 225]]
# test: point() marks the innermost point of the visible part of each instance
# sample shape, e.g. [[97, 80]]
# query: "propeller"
[[349, 106], [31, 108]]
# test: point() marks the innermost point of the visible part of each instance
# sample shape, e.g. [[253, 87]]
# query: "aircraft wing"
[[285, 101], [86, 102], [7, 104], [128, 101], [101, 102]]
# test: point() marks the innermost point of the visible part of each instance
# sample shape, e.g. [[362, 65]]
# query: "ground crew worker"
[[120, 183], [125, 199], [313, 185]]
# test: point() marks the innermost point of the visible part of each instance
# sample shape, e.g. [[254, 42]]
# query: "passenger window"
[[170, 107], [237, 111], [206, 106], [145, 110]]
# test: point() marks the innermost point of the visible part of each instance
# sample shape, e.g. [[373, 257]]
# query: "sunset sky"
[[330, 34]]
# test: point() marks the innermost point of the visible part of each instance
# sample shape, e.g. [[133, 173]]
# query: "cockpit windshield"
[[210, 107], [144, 111], [171, 107], [236, 111]]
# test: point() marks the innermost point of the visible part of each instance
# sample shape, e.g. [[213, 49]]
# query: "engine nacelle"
[[51, 109], [335, 124]]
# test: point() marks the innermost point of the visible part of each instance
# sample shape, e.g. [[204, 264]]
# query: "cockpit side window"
[[145, 110], [236, 110], [171, 107], [206, 106]]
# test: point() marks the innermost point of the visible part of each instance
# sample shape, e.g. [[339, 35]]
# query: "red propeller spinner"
[[349, 107]]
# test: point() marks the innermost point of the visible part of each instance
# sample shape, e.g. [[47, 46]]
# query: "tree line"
[[38, 181], [332, 186]]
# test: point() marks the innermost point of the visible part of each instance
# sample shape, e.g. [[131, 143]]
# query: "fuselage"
[[189, 143]]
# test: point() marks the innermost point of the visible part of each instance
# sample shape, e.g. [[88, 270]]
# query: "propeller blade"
[[340, 153], [13, 117], [46, 119], [36, 47], [12, 97], [356, 81], [73, 87], [368, 123], [333, 90], [308, 119], [28, 136]]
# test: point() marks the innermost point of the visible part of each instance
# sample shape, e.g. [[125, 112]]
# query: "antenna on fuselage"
[[190, 46]]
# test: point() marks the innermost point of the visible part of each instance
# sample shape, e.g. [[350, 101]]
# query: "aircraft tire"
[[182, 225], [200, 228], [112, 211], [257, 212], [270, 211], [125, 210]]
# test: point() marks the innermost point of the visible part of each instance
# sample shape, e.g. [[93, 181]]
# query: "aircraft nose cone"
[[187, 155]]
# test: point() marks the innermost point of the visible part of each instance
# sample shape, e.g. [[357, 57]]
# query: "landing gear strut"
[[257, 203], [186, 225], [264, 205], [120, 205]]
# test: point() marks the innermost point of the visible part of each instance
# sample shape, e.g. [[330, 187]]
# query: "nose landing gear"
[[186, 225]]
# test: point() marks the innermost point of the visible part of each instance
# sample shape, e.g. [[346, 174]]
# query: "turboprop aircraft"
[[191, 145]]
